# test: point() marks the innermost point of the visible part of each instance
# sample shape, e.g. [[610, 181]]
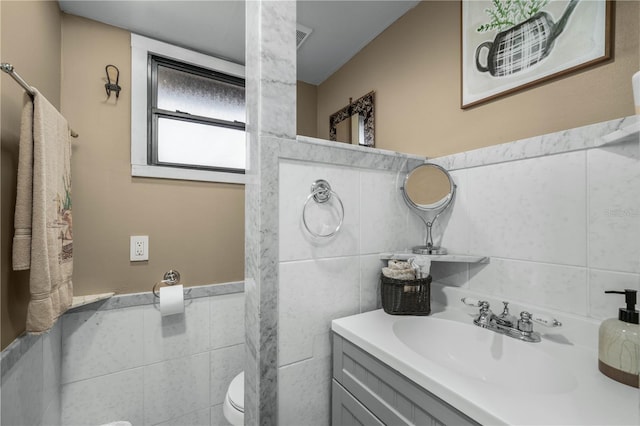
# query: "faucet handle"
[[470, 301], [524, 323], [505, 318], [526, 319], [545, 320], [482, 304]]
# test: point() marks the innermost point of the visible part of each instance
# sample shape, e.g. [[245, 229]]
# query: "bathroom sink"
[[483, 355], [492, 378]]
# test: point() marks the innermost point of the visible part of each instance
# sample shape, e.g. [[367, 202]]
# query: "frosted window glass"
[[183, 142], [197, 95]]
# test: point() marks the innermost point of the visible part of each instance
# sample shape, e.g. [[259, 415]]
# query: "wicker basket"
[[406, 297]]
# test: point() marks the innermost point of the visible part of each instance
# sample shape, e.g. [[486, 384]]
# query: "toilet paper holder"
[[171, 277]]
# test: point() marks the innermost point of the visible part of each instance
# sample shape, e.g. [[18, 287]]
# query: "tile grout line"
[[210, 319], [536, 261], [144, 369]]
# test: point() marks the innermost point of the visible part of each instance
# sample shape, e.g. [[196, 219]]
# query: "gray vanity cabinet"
[[367, 392]]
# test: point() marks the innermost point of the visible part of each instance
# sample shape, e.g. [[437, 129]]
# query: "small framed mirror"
[[354, 124], [428, 189]]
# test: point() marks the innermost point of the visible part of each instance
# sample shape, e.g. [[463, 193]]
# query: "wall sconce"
[[113, 74]]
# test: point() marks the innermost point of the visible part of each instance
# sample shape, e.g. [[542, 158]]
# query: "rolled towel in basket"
[[399, 264], [399, 274]]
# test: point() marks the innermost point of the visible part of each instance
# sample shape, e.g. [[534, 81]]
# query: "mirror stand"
[[428, 190], [429, 247]]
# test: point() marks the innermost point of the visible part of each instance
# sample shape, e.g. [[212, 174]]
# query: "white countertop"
[[594, 400]]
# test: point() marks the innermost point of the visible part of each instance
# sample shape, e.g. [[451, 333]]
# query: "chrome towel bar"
[[8, 68]]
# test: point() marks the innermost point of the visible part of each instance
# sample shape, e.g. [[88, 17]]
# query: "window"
[[188, 114]]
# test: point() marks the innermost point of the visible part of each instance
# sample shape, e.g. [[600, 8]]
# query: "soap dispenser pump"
[[619, 343]]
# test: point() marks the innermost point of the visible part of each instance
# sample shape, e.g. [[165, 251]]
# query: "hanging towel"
[[43, 239]]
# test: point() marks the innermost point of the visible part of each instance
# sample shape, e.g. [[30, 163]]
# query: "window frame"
[[141, 100]]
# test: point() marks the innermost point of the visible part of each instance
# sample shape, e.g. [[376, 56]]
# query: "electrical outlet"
[[139, 248]]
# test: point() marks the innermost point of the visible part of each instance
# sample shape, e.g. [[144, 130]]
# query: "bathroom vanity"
[[442, 369], [369, 392]]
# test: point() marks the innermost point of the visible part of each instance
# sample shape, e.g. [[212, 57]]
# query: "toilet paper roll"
[[171, 300]]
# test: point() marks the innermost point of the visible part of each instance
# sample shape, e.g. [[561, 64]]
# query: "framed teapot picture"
[[509, 45]]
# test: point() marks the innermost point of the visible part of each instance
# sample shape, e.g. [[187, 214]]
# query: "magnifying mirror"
[[429, 190]]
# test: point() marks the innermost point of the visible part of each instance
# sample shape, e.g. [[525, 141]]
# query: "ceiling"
[[340, 28]]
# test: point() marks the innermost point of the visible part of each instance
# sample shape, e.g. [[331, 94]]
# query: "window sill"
[[159, 172]]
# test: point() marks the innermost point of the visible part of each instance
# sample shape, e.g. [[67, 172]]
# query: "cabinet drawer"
[[347, 411], [390, 396]]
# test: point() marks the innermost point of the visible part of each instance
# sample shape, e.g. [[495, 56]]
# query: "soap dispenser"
[[619, 343]]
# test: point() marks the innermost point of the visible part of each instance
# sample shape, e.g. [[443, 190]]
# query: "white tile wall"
[[530, 209], [384, 216], [452, 228], [177, 368], [320, 280], [176, 336], [52, 363], [528, 282], [31, 380], [196, 418], [217, 416], [22, 389], [304, 393], [53, 412], [227, 320], [312, 293], [104, 399], [614, 207], [226, 363], [453, 274], [603, 306], [559, 229], [370, 282], [176, 387], [295, 186], [102, 342]]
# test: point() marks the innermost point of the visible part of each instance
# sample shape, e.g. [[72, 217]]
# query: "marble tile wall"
[[133, 364], [270, 52], [31, 380], [559, 215], [560, 229], [119, 359], [326, 278]]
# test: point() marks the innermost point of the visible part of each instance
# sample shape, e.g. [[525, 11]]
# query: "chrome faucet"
[[507, 324], [505, 318]]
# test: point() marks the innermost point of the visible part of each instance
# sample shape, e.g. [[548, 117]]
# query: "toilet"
[[233, 407]]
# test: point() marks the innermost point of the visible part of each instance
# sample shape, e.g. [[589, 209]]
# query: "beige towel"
[[399, 274], [43, 240], [398, 264]]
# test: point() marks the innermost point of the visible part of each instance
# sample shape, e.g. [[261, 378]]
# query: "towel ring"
[[171, 277], [321, 192]]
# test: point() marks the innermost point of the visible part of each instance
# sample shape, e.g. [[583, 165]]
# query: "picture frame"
[[511, 45], [363, 109]]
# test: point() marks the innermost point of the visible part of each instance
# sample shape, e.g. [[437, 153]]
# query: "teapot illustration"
[[523, 45]]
